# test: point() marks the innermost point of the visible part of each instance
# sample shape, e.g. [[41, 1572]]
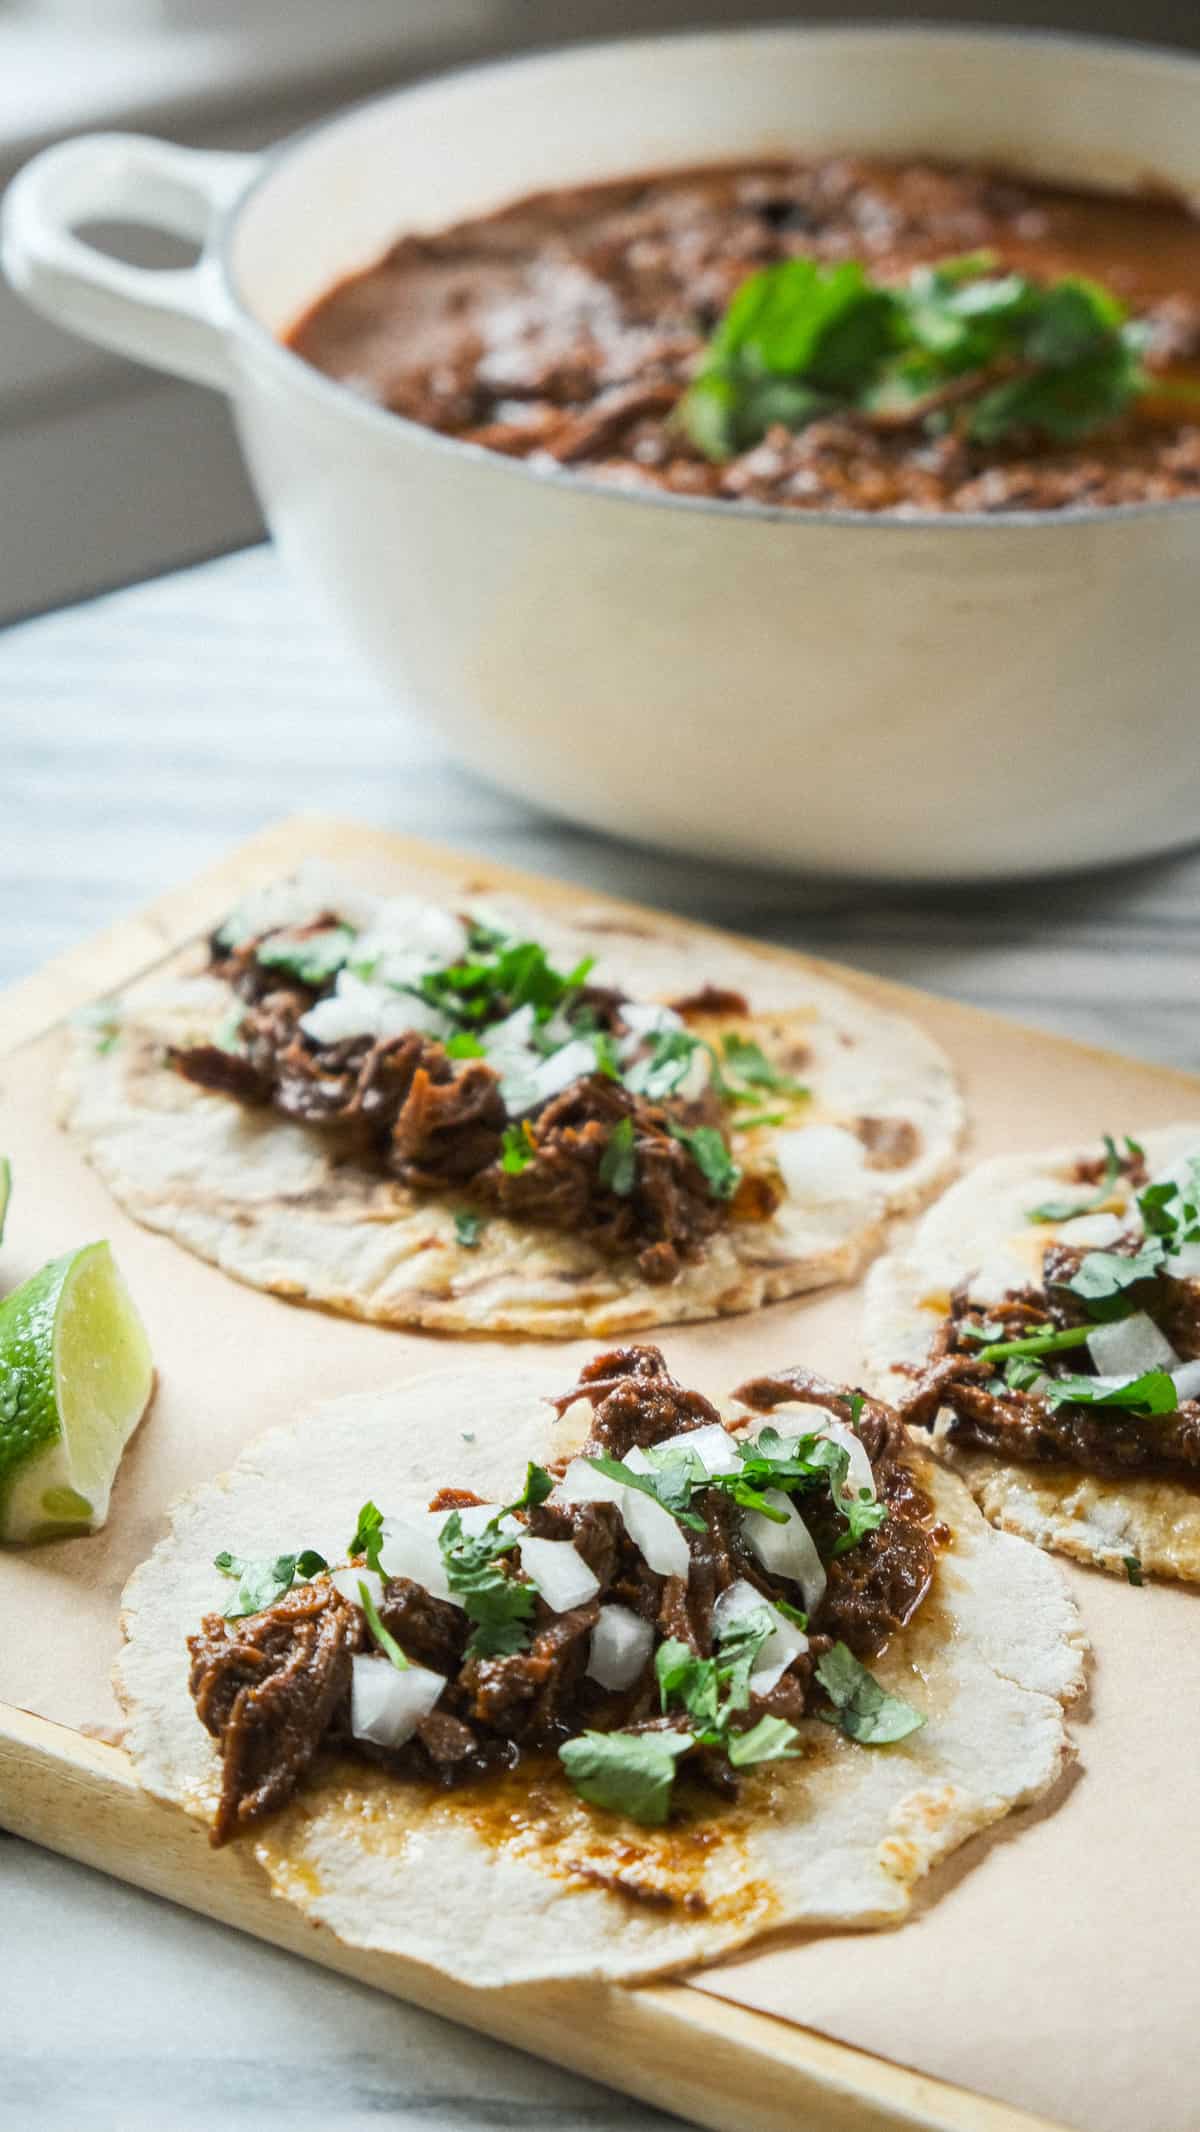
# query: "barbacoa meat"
[[274, 1690], [985, 1414], [402, 1105]]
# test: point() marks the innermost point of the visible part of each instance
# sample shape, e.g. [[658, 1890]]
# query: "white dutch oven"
[[915, 698]]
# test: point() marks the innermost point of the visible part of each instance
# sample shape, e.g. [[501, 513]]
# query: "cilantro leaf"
[[708, 1151], [1152, 1393], [1133, 1569], [498, 1604], [261, 1583], [771, 1740], [666, 1064], [1103, 1277], [468, 1228], [517, 1149], [464, 1045], [313, 957], [862, 1708], [684, 1678], [629, 1773], [368, 1535], [754, 1069], [383, 1637], [618, 1163], [665, 1486], [1067, 1209]]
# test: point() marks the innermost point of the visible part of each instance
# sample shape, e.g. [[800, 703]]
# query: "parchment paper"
[[1057, 1970]]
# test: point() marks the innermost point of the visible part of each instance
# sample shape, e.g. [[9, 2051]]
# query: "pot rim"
[[337, 398]]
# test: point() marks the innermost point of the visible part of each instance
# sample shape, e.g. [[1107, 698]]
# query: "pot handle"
[[174, 319]]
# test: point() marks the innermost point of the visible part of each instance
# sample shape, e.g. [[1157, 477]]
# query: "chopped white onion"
[[280, 906], [356, 1008], [1096, 1231], [651, 1528], [409, 1548], [695, 1080], [408, 937], [572, 1062], [387, 1705], [575, 1421], [511, 1038], [644, 1019], [1187, 1381], [473, 1517], [784, 1643], [1128, 1347], [786, 1550], [713, 1445], [559, 1572], [821, 1163], [621, 1644], [654, 1531], [347, 1581], [582, 1484], [1184, 1264]]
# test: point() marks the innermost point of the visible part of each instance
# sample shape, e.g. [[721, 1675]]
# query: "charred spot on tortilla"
[[1082, 1377]]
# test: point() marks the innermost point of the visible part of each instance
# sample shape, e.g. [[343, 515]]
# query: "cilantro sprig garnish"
[[499, 1604], [959, 343], [859, 1705], [262, 1582], [1152, 1393]]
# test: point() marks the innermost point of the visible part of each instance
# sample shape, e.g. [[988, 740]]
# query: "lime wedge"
[[5, 1190], [75, 1379]]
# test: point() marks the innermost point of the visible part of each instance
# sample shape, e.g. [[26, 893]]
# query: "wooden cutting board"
[[725, 2049]]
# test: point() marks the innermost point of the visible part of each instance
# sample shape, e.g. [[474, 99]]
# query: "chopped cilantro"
[[1133, 1569], [368, 1535], [800, 339], [607, 1061], [312, 957], [762, 1117], [708, 1151], [771, 1740], [665, 1065], [464, 1045], [749, 1062], [670, 1484], [1152, 1393], [629, 1773], [517, 1149], [862, 1708], [1103, 1277], [261, 1583], [618, 1163], [1067, 1209], [497, 1604], [383, 1637], [468, 1228]]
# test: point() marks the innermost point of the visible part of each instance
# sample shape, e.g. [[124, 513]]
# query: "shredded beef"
[[273, 1689], [987, 1415], [435, 1124], [269, 1688]]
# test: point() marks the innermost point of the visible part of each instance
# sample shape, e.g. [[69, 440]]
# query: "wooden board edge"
[[723, 2066], [112, 958]]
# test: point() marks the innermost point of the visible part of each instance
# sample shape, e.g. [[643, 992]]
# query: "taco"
[[638, 1686], [1044, 1324], [491, 1118]]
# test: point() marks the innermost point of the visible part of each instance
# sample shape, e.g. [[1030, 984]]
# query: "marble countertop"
[[143, 735]]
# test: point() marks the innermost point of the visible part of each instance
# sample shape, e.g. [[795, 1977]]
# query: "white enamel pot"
[[914, 698]]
